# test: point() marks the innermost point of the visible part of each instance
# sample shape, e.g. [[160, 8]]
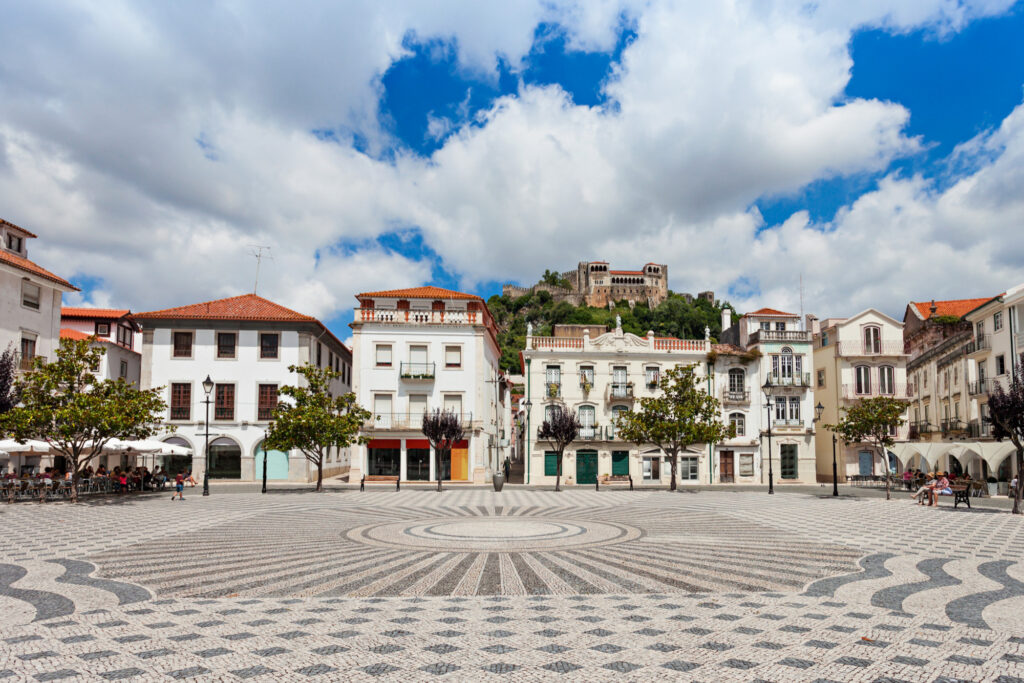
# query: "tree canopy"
[[1006, 410], [314, 421], [559, 429], [873, 421], [8, 388], [682, 414], [64, 403]]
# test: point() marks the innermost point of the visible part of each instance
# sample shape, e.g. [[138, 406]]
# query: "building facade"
[[593, 283], [856, 358], [421, 349], [116, 331], [245, 345], [30, 299]]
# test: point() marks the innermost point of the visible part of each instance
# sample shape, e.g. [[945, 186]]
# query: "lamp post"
[[526, 441], [819, 409], [265, 454], [768, 388], [208, 388]]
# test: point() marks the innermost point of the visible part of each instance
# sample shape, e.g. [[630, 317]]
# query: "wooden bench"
[[961, 494], [618, 480], [379, 477]]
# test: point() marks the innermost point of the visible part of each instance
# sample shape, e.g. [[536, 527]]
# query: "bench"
[[961, 494], [379, 477], [618, 479]]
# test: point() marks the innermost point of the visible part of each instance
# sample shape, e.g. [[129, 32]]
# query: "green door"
[[620, 463], [586, 467]]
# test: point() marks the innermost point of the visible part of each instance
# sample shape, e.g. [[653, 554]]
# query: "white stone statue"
[[529, 329], [618, 322], [707, 333]]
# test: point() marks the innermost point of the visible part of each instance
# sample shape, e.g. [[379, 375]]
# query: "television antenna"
[[256, 250]]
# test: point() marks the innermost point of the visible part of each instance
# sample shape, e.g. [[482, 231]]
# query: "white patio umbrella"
[[30, 447]]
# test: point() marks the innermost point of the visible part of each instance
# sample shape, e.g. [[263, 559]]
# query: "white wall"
[[16, 319]]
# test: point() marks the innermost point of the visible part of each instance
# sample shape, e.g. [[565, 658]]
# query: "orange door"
[[460, 461]]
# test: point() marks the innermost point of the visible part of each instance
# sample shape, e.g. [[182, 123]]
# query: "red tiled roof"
[[420, 293], [17, 227], [957, 307], [68, 333], [30, 267], [80, 312], [769, 311], [245, 307]]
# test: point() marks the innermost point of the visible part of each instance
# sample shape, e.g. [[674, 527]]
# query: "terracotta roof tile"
[[727, 349], [81, 312], [68, 333], [30, 267], [18, 227], [420, 293], [957, 307], [245, 307], [769, 311]]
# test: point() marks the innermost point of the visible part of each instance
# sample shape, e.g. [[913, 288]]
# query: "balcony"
[[406, 316], [796, 379], [884, 347], [790, 336], [589, 434], [979, 387], [417, 371], [952, 426], [619, 391], [904, 392], [979, 429], [553, 389], [730, 397], [406, 421], [982, 344], [23, 362], [788, 423]]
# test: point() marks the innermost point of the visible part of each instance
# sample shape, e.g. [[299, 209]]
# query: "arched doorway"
[[173, 464], [1003, 472], [277, 464], [224, 459]]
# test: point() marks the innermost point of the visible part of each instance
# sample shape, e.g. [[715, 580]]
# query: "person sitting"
[[101, 471], [189, 479], [923, 491], [941, 488]]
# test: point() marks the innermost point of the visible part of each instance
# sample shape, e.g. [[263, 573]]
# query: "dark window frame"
[[266, 348], [234, 345], [175, 347], [265, 404], [181, 401], [224, 401]]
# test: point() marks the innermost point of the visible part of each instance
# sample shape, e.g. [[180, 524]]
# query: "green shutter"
[[550, 463], [620, 462]]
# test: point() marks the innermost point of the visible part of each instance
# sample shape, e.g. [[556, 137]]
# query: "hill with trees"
[[673, 317]]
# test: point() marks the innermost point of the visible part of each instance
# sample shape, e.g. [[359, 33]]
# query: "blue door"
[[277, 465], [865, 463]]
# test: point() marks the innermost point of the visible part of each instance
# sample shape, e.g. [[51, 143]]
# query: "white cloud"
[[716, 106]]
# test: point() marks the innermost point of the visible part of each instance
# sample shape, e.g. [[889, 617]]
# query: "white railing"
[[694, 346], [900, 391], [413, 317], [381, 421]]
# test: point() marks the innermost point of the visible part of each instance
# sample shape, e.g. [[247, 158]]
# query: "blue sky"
[[384, 145]]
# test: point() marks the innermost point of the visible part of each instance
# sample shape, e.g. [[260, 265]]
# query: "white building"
[[245, 345], [856, 358], [770, 346], [30, 299], [420, 349], [115, 331]]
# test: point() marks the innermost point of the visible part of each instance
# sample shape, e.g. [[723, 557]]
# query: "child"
[[179, 487]]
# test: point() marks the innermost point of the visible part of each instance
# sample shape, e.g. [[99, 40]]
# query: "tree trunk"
[[885, 470], [558, 473], [672, 472], [319, 472], [1020, 480], [74, 483], [437, 467]]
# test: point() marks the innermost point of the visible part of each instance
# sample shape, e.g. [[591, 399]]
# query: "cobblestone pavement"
[[521, 585]]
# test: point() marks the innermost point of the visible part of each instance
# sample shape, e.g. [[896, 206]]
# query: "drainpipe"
[[528, 455]]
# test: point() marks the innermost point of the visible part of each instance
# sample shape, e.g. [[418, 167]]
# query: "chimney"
[[726, 318], [933, 308], [812, 325]]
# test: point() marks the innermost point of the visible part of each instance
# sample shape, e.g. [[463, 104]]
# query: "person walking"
[[179, 487]]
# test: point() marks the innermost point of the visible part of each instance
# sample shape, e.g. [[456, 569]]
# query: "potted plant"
[[552, 390], [586, 385]]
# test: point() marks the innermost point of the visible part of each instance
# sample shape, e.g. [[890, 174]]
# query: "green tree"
[[559, 429], [65, 404], [873, 422], [315, 421], [681, 415], [1006, 411], [8, 387]]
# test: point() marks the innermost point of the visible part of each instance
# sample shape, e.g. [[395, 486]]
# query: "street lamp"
[[768, 388], [526, 441], [265, 454], [819, 409], [208, 388]]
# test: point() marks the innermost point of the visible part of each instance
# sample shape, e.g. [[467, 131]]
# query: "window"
[[418, 356], [13, 242], [746, 464], [226, 344], [780, 408], [319, 355], [102, 329], [549, 412], [738, 421], [927, 410], [925, 379], [737, 381], [782, 365], [123, 373], [997, 321], [28, 351], [269, 343], [383, 355], [780, 327], [824, 338], [453, 356], [587, 419], [980, 329], [224, 402], [550, 463], [181, 401], [30, 294], [652, 376], [382, 410], [620, 463], [182, 344], [766, 326], [688, 468], [417, 406], [872, 339], [887, 380], [617, 412], [981, 371], [553, 374], [453, 403], [956, 375], [821, 378], [1000, 365], [587, 376], [794, 408], [124, 336], [788, 459], [863, 374]]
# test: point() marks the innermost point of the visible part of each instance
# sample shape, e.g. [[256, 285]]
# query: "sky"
[[873, 151]]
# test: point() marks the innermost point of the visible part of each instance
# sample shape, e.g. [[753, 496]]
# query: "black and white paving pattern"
[[521, 585]]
